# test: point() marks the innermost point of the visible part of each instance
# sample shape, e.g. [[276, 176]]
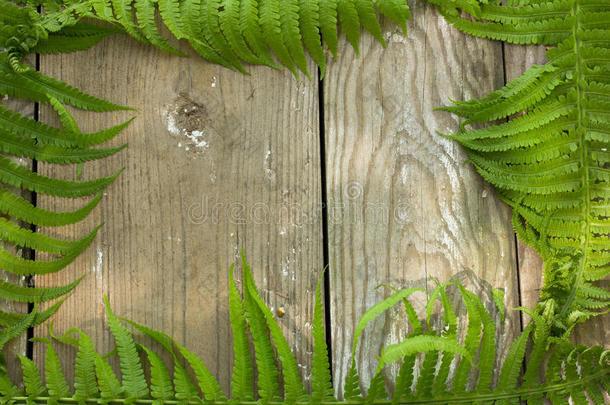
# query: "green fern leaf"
[[85, 384], [309, 23], [35, 294], [550, 160], [328, 24], [17, 327], [291, 33], [207, 383], [293, 385], [161, 387], [186, 390], [145, 13], [18, 207], [350, 22], [241, 383], [212, 32], [510, 370], [229, 19], [322, 388], [108, 383], [571, 374], [124, 15], [34, 86], [472, 341], [396, 10], [269, 19], [57, 385], [32, 380], [268, 386], [368, 18], [134, 382], [9, 319], [252, 32], [18, 176]]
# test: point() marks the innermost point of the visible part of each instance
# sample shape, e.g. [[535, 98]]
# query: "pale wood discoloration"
[[438, 218], [215, 163]]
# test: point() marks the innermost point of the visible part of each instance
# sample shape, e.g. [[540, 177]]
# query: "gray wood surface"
[[219, 162], [411, 208]]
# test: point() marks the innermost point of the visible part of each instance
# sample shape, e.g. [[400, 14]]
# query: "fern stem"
[[567, 306], [458, 399]]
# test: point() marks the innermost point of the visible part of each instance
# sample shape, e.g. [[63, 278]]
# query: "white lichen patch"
[[188, 121], [396, 37]]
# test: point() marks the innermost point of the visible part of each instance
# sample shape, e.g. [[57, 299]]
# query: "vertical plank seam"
[[31, 253], [324, 213], [516, 245]]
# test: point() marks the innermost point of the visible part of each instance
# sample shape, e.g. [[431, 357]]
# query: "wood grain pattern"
[[596, 331], [16, 346], [407, 206], [218, 162]]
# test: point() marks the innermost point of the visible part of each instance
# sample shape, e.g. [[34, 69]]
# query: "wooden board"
[[218, 162], [409, 208]]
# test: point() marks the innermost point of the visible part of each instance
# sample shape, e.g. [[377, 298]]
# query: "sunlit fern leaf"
[[230, 23], [241, 382], [268, 385], [74, 38], [570, 373], [145, 14], [16, 327], [322, 388], [348, 16], [309, 21], [269, 19], [550, 160], [161, 387], [134, 383], [25, 138], [10, 319], [293, 386], [207, 19], [225, 32]]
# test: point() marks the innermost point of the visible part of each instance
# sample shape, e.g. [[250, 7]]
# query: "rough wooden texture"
[[597, 331], [17, 346], [217, 162], [404, 205]]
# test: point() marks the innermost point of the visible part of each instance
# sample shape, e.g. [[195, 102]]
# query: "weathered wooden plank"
[[217, 162], [16, 346], [597, 331], [404, 205]]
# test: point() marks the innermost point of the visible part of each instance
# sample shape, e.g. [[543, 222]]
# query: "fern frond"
[[550, 161], [134, 383], [322, 388], [571, 373], [293, 386], [241, 383], [268, 386], [224, 32]]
